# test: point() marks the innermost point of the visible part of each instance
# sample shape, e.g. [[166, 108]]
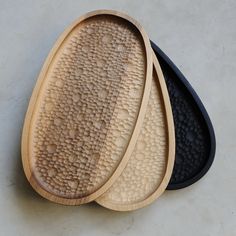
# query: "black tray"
[[195, 138]]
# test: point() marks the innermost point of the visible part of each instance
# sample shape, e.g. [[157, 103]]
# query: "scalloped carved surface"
[[148, 163], [192, 136], [87, 107]]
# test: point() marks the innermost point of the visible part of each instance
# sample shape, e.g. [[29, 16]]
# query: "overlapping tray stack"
[[99, 125]]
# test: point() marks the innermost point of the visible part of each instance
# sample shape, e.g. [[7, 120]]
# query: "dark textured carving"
[[195, 140]]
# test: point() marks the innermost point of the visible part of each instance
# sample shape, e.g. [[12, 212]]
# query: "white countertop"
[[199, 36]]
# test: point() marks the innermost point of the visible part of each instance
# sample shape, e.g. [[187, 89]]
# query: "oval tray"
[[195, 138], [87, 107], [150, 166]]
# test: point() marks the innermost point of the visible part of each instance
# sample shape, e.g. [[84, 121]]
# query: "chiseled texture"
[[192, 135], [147, 165], [88, 107], [200, 39]]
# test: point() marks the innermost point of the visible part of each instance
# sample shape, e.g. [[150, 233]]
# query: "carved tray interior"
[[150, 166], [86, 109], [194, 134]]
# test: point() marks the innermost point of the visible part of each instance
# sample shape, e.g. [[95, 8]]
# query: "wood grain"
[[87, 108]]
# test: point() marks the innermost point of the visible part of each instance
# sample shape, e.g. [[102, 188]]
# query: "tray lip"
[[39, 82], [170, 156], [204, 113]]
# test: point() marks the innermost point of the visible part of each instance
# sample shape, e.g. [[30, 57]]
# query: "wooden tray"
[[87, 108], [195, 138], [150, 167]]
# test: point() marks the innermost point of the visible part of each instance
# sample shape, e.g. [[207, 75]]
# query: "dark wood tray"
[[195, 138]]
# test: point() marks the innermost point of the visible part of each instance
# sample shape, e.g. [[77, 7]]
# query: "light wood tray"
[[149, 169], [87, 108]]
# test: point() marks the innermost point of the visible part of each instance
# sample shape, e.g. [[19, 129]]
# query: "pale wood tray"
[[87, 108], [149, 169]]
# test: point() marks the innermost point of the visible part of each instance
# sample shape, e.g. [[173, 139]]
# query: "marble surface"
[[199, 36]]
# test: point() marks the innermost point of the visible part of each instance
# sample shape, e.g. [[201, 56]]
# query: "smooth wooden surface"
[[65, 147], [149, 169]]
